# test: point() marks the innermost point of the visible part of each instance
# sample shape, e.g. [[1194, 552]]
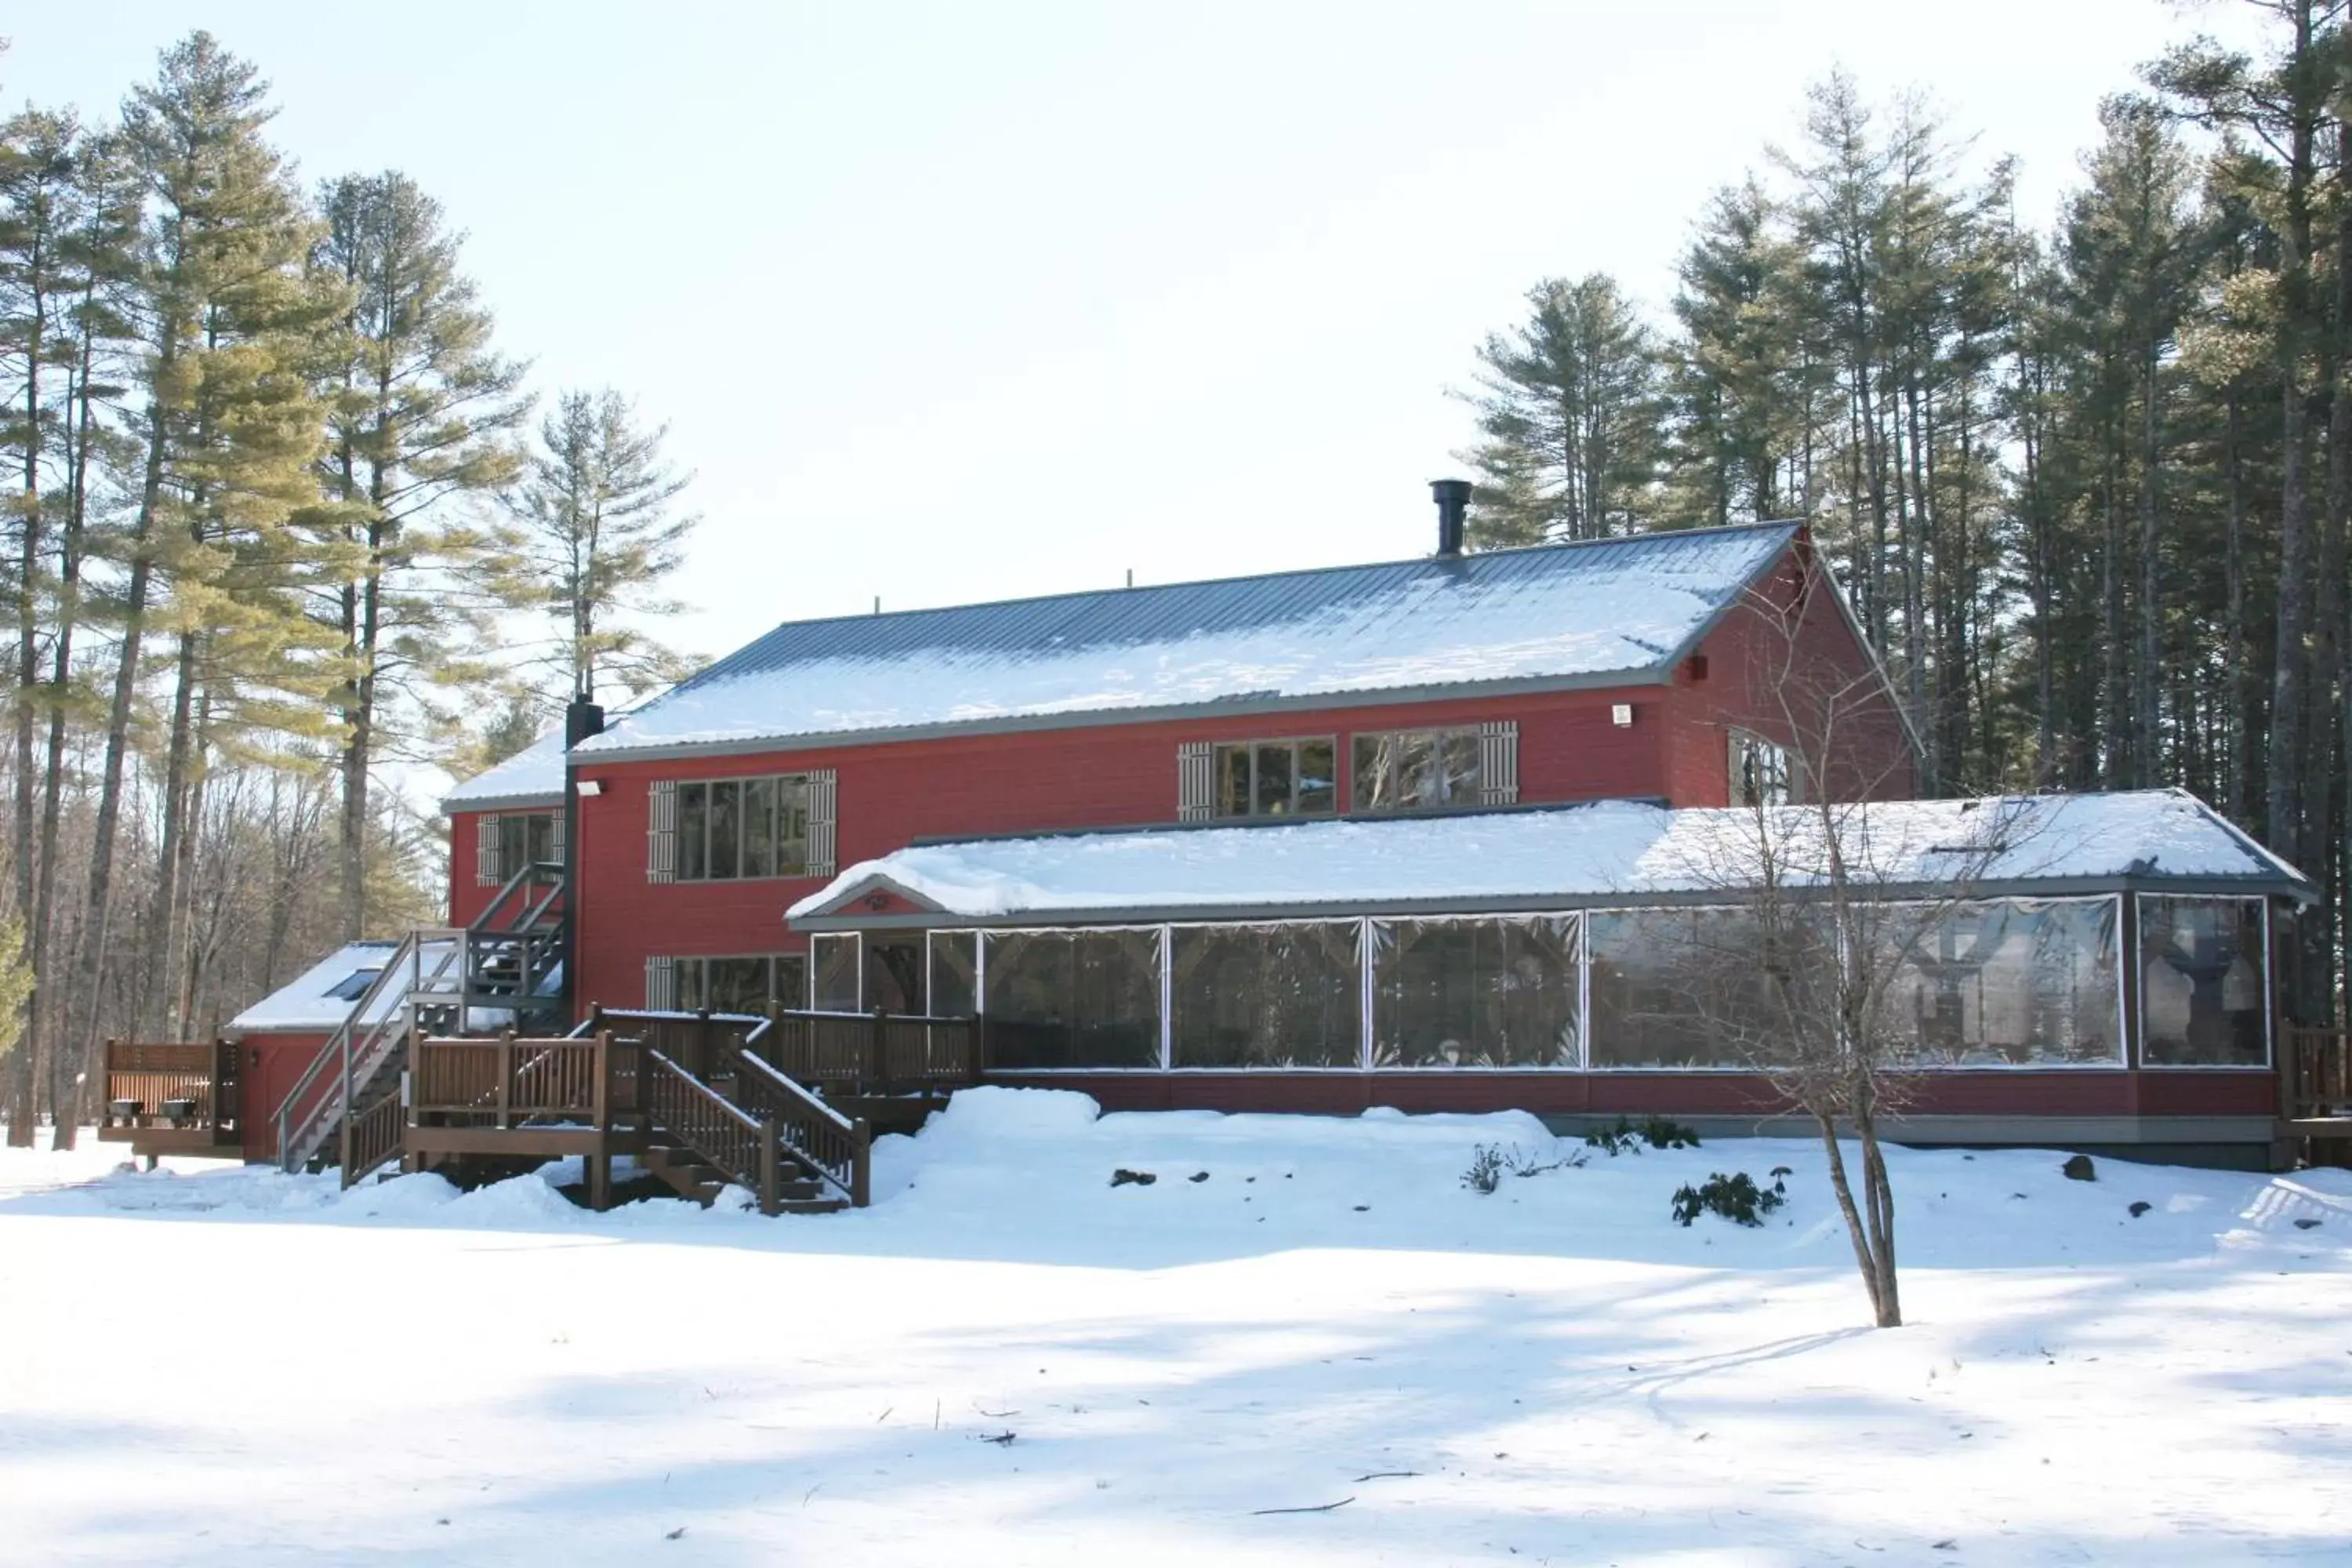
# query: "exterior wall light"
[[1621, 715]]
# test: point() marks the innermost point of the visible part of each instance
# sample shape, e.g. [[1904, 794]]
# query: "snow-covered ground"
[[1009, 1359]]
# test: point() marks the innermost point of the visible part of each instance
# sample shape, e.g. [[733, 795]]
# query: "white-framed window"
[[1760, 772], [1418, 769]]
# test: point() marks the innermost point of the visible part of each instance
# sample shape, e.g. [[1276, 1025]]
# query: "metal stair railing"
[[356, 1055]]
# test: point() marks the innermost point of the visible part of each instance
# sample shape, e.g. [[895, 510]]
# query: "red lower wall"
[[272, 1064], [2025, 1093]]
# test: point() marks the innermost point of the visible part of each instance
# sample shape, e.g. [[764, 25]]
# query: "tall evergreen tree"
[[422, 420], [1569, 418], [595, 534]]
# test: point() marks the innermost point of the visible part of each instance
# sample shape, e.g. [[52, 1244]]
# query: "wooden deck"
[[782, 1104], [177, 1099], [2316, 1090]]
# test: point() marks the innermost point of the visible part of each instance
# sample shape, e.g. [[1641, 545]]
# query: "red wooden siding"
[[1120, 775]]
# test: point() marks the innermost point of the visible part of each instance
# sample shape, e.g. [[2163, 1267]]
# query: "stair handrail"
[[350, 1053], [759, 1134], [850, 1172]]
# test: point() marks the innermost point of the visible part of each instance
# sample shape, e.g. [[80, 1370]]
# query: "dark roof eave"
[[1659, 673], [1161, 914]]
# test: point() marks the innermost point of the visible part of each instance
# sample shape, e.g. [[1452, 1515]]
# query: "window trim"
[[1736, 736], [809, 863]]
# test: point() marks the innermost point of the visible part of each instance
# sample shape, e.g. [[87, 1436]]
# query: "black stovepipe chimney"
[[1452, 499]]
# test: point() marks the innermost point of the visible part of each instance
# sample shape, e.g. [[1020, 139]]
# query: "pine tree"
[[592, 537], [1569, 419], [423, 417]]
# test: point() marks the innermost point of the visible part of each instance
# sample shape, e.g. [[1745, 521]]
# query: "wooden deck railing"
[[372, 1139], [872, 1053], [837, 1147], [2315, 1074], [739, 1145], [507, 1079], [192, 1085]]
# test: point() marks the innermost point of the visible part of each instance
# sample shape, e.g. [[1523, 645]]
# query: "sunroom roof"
[[1608, 851], [532, 776]]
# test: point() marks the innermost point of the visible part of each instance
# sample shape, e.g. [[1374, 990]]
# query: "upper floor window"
[[1277, 778], [525, 838], [1760, 774], [729, 830], [1418, 769]]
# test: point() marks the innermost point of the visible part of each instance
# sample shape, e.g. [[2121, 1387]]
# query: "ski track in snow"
[[213, 1365]]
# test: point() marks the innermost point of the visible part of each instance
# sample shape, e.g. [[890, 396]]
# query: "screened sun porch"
[[2096, 982]]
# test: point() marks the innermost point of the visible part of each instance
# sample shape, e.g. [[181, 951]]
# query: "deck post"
[[601, 1105], [972, 1050], [769, 1203], [506, 1076], [861, 1166], [878, 1054]]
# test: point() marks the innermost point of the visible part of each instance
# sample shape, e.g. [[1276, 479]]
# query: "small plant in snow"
[[1656, 1133], [1492, 1161], [1735, 1197]]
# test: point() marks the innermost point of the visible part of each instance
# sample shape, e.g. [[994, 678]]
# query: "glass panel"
[[1375, 773], [1233, 781], [955, 965], [1272, 797], [735, 985], [2009, 982], [685, 990], [2201, 981], [759, 828], [1085, 999], [791, 826], [1456, 766], [693, 825], [726, 836], [835, 957], [792, 979], [893, 972], [1266, 995], [1676, 988], [1318, 778], [1476, 993]]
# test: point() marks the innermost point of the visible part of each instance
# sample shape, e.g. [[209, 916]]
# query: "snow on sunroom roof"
[[1582, 854], [1572, 612], [309, 1001]]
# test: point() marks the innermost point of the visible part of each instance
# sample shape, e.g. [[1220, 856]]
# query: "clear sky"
[[970, 300]]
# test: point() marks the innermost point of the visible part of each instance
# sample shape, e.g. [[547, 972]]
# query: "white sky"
[[956, 301]]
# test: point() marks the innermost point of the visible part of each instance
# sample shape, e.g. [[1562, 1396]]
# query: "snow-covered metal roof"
[[1569, 615], [308, 1002], [1611, 851], [532, 776]]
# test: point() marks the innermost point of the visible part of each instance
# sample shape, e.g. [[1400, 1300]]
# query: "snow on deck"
[[1619, 606], [1595, 851], [533, 773], [1007, 1360]]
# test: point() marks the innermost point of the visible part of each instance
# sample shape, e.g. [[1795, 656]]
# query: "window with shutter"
[[661, 831], [661, 985], [485, 851], [822, 829], [1196, 781], [1498, 762], [555, 839]]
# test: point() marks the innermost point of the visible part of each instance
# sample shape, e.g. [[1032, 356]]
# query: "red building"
[[1389, 710]]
